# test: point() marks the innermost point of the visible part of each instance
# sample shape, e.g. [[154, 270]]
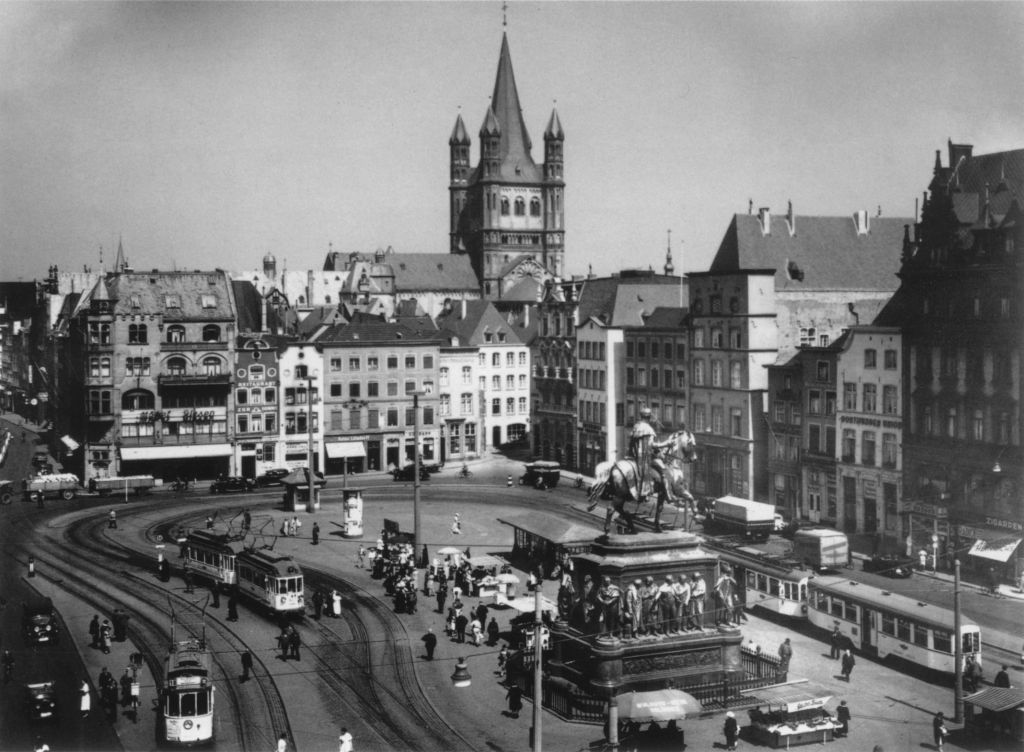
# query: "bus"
[[878, 622]]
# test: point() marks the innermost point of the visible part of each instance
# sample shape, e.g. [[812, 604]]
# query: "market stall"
[[791, 714], [662, 706], [995, 711]]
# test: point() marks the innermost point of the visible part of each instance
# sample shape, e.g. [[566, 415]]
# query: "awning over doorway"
[[177, 451], [660, 706], [1000, 549], [337, 450]]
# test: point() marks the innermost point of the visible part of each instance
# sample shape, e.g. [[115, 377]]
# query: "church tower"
[[507, 213]]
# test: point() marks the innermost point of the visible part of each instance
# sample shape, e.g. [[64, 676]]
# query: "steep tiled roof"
[[481, 317], [375, 329], [523, 291], [622, 300], [825, 253], [248, 303], [193, 291], [667, 318], [999, 175], [432, 271], [320, 318]]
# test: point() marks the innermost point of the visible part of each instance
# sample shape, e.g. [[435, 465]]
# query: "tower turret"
[[458, 151], [270, 265]]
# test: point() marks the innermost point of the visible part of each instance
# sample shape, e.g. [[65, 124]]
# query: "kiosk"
[[791, 714], [353, 524]]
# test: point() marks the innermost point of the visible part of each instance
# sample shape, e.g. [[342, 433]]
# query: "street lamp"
[[416, 472]]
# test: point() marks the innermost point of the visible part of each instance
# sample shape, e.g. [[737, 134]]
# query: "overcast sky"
[[208, 134]]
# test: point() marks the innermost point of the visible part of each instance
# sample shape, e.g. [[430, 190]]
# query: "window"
[[735, 339], [211, 333], [392, 388], [428, 362], [504, 206], [301, 372], [510, 382], [534, 207], [99, 402], [496, 406], [242, 397], [654, 378], [716, 419], [176, 367], [522, 381], [519, 207], [137, 334], [467, 375], [903, 629], [522, 405], [629, 348], [392, 417], [444, 377], [807, 335], [175, 334], [137, 400], [410, 416], [655, 349], [270, 396], [699, 418], [354, 389], [668, 350], [890, 403], [830, 403], [978, 425], [522, 358], [736, 375], [410, 386], [736, 422], [211, 365], [889, 450], [466, 403], [410, 361], [446, 405], [133, 366], [496, 383], [172, 301], [630, 379], [392, 362], [870, 398], [99, 334], [849, 445], [813, 438], [641, 376], [716, 373], [779, 411], [849, 395], [510, 406], [814, 402], [698, 373], [951, 421], [243, 424], [335, 389], [716, 338], [867, 449], [698, 337], [869, 358], [209, 301], [823, 370], [256, 372], [889, 360], [641, 348]]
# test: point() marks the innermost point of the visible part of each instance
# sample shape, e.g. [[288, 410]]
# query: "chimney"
[[790, 219], [263, 313], [764, 216], [526, 315], [861, 222], [462, 311], [958, 152]]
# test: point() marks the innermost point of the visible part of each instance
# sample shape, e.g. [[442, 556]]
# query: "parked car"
[[7, 491], [272, 477], [406, 473], [890, 565], [41, 701], [39, 621], [231, 483], [41, 459]]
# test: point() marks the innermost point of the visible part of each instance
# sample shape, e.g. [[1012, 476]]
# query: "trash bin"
[[120, 625]]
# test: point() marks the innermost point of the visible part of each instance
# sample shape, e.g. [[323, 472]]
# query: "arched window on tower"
[[504, 206], [520, 207], [534, 207]]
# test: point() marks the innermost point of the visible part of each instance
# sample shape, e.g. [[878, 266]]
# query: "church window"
[[535, 207], [520, 207], [504, 207]]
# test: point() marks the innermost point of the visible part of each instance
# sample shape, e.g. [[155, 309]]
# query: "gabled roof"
[[825, 253], [432, 272], [999, 177], [667, 317], [622, 300], [200, 296], [319, 318], [248, 304], [481, 318], [375, 330]]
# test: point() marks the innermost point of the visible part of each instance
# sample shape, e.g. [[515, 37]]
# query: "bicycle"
[[464, 472]]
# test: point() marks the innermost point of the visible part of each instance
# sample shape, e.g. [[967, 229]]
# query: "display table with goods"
[[791, 714]]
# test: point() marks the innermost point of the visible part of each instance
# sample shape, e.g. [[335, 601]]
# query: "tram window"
[[903, 629], [203, 702], [888, 624], [773, 586], [942, 641], [920, 635], [852, 612], [762, 583], [188, 703], [751, 580], [837, 607], [172, 708], [972, 642], [803, 592]]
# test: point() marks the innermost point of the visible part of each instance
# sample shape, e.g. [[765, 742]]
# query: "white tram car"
[[882, 623], [186, 698], [765, 577], [212, 556], [272, 580]]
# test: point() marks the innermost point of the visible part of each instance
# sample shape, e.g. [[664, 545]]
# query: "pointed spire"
[[554, 129], [459, 137], [491, 127], [669, 268], [120, 262], [1002, 185], [101, 292], [515, 141]]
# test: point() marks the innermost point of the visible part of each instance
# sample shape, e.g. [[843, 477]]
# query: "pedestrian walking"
[[282, 743], [126, 688], [835, 640], [493, 632], [86, 698], [112, 520], [294, 643], [361, 556], [94, 631], [785, 654], [461, 622], [215, 595], [848, 664], [1002, 678], [246, 665], [186, 575], [430, 643], [344, 741], [515, 700], [232, 606], [135, 699], [336, 604], [477, 631], [316, 533], [442, 596], [843, 716], [282, 644], [939, 731], [318, 604], [731, 729], [106, 635]]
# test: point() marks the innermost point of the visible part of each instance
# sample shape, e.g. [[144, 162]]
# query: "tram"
[[767, 576], [878, 622], [272, 580], [212, 556], [186, 697]]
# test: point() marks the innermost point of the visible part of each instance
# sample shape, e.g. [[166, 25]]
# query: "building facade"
[[257, 407], [598, 376]]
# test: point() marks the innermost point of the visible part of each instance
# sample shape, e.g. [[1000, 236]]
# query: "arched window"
[[504, 206], [176, 366], [211, 365], [211, 333], [137, 334], [534, 207], [137, 399], [175, 333], [520, 207]]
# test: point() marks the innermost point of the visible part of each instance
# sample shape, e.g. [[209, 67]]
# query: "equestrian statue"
[[654, 468]]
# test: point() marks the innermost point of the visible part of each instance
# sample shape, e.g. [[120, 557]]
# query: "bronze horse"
[[620, 482]]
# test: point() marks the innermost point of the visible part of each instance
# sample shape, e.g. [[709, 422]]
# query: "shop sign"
[[1005, 524], [967, 531], [929, 510], [423, 434], [293, 446], [858, 420]]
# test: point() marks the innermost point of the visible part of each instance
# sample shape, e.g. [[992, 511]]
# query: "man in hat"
[[680, 603], [649, 599], [666, 603], [698, 592], [634, 608]]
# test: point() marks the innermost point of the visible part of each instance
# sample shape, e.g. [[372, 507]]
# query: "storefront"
[[348, 455], [929, 529], [993, 549], [190, 461]]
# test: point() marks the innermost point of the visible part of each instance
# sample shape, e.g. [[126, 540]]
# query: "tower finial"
[[669, 267], [504, 15]]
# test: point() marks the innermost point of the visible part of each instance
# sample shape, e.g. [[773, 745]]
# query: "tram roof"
[[282, 564], [216, 540], [902, 605], [188, 655]]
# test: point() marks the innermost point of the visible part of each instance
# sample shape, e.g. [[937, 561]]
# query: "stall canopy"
[[526, 603], [660, 706], [176, 451], [337, 450], [793, 696], [1000, 549], [996, 699]]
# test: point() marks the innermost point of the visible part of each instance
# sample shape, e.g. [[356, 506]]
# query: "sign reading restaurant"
[[876, 422]]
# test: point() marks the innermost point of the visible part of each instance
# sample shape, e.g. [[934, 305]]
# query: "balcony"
[[192, 346], [194, 379]]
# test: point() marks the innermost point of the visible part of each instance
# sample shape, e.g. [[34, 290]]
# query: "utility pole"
[[416, 475], [958, 652], [538, 658]]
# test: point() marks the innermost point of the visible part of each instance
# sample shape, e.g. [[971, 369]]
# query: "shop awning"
[[659, 705], [793, 696], [175, 452], [70, 443], [997, 550], [996, 699], [337, 450]]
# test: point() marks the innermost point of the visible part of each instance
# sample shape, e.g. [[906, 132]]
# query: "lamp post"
[[310, 376], [958, 650], [538, 657], [416, 472]]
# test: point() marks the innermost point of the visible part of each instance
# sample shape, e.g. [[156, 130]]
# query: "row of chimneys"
[[861, 219]]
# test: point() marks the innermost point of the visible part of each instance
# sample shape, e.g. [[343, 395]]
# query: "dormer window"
[[172, 301], [209, 301], [135, 302]]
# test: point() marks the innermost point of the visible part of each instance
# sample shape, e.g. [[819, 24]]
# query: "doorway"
[[495, 437]]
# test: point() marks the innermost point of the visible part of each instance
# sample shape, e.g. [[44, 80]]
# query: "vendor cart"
[[541, 474], [791, 714]]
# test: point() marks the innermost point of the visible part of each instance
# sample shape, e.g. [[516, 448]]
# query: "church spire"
[[120, 262], [669, 268], [515, 141]]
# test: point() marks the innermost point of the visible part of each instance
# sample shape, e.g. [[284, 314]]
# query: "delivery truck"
[[63, 485], [731, 515], [821, 549]]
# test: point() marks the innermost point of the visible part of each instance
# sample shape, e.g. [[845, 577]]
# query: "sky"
[[207, 134]]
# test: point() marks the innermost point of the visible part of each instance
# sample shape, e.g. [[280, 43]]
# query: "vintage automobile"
[[406, 473], [230, 484], [272, 477], [890, 565], [541, 474], [39, 621], [7, 491], [41, 701]]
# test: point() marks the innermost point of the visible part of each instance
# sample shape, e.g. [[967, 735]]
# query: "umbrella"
[[658, 705], [449, 551], [507, 577]]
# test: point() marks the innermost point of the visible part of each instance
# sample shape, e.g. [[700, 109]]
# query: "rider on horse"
[[646, 451]]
